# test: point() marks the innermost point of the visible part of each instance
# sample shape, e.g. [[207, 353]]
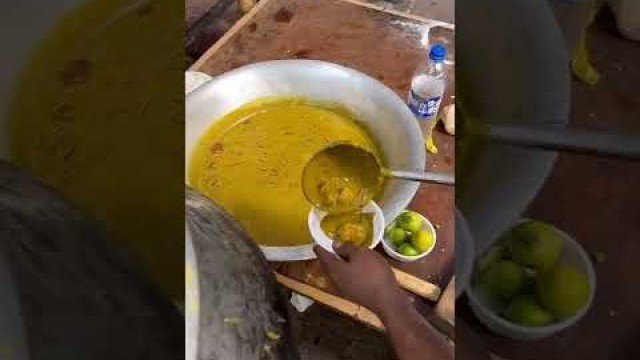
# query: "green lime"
[[407, 250], [525, 310], [391, 226], [409, 221], [503, 279], [494, 254], [397, 236], [564, 290], [422, 240], [535, 244]]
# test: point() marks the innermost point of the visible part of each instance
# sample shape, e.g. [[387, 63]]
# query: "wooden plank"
[[416, 285], [337, 303], [352, 309]]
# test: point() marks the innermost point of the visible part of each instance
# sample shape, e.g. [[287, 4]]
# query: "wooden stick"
[[446, 306], [430, 22], [417, 286], [246, 5], [408, 282], [337, 303], [197, 66]]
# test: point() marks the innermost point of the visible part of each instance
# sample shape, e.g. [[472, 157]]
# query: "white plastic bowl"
[[320, 237], [390, 250], [486, 311]]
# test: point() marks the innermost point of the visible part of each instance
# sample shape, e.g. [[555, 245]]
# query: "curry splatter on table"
[[384, 45]]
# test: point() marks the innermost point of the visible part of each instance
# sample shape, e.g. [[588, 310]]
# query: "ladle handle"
[[571, 140], [428, 177]]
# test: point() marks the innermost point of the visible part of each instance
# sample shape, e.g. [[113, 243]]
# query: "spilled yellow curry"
[[251, 162]]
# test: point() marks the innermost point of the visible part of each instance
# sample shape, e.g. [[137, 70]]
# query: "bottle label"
[[423, 108]]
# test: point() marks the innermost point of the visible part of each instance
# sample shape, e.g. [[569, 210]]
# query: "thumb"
[[326, 258], [345, 250]]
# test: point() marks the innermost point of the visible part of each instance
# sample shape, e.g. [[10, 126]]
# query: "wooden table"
[[382, 44], [208, 20]]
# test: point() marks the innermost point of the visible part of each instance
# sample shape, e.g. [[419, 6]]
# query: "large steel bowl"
[[377, 107]]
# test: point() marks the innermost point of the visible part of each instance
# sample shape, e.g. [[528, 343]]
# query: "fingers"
[[326, 258], [345, 250]]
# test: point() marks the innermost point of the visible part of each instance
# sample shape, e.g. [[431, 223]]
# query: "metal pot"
[[378, 108]]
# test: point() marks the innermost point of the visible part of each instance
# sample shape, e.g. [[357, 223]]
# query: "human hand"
[[362, 275]]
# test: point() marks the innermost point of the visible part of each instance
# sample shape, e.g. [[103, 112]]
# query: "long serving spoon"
[[360, 166], [553, 138], [579, 141]]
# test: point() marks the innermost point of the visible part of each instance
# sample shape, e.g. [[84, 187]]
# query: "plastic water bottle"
[[427, 88]]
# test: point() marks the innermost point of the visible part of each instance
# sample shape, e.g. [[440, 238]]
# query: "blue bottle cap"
[[438, 52]]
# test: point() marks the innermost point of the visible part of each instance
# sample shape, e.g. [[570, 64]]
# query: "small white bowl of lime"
[[410, 237], [532, 283]]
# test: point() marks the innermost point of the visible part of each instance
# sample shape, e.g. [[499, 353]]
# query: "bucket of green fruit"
[[534, 281], [409, 237]]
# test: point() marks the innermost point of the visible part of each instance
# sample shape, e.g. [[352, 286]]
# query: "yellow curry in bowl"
[[355, 228], [251, 163]]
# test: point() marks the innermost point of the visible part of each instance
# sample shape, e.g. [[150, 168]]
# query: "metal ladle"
[[360, 166]]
